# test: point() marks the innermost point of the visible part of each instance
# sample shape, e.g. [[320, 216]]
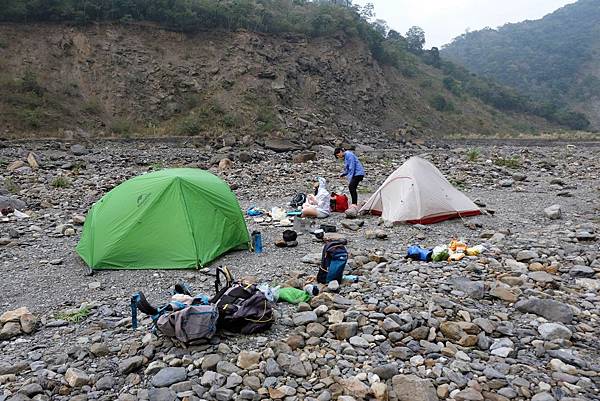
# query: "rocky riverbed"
[[518, 322]]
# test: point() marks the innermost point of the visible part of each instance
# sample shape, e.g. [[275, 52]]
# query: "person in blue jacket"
[[353, 171]]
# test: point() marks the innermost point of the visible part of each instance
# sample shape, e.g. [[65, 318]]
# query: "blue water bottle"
[[257, 242]]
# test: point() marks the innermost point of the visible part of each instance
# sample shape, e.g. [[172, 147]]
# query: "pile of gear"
[[237, 306], [452, 252]]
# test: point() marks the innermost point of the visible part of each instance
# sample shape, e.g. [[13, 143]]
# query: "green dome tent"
[[170, 219]]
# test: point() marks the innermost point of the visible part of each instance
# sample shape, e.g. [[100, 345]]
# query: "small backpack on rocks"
[[333, 262], [338, 203], [243, 308], [190, 320]]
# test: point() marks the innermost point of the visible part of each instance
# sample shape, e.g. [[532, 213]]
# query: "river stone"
[[10, 330], [474, 289], [468, 394], [105, 383], [167, 376], [76, 377], [554, 331], [13, 315], [161, 394], [210, 362], [345, 330], [581, 271], [547, 308], [130, 364], [386, 371], [413, 388], [553, 212], [31, 389], [544, 396], [247, 359]]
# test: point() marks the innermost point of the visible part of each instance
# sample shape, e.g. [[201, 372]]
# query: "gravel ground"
[[42, 272]]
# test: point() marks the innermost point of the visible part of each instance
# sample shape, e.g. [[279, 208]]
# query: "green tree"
[[416, 39]]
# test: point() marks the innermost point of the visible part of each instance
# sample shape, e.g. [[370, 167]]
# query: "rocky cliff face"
[[142, 79]]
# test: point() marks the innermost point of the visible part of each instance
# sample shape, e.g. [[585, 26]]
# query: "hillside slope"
[[555, 59], [141, 79]]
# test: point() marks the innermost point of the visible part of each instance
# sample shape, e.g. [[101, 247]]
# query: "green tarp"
[[169, 219]]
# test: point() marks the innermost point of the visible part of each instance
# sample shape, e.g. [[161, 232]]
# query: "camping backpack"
[[193, 321], [298, 200], [333, 262], [338, 203], [243, 308]]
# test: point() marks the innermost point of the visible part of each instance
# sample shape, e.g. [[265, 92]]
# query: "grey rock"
[[211, 378], [541, 277], [292, 364], [386, 371], [554, 331], [547, 308], [413, 388], [79, 150], [31, 389], [474, 289], [223, 394], [131, 364], [272, 368], [10, 330], [568, 356], [581, 271], [99, 349], [468, 394], [303, 318], [527, 255], [105, 383], [210, 362], [543, 397], [553, 212], [167, 376], [226, 368], [358, 341], [161, 394], [281, 145], [76, 377], [10, 201], [247, 394]]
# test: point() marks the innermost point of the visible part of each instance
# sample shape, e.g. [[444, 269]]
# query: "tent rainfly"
[[169, 219], [418, 193]]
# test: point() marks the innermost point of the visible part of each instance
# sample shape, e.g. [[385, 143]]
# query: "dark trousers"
[[352, 187]]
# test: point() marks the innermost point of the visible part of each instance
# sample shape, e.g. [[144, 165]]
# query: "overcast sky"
[[443, 20]]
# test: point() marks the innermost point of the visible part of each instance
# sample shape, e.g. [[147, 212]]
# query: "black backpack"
[[333, 262], [298, 200], [243, 308]]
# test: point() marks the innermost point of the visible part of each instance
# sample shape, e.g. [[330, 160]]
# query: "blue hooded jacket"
[[352, 166]]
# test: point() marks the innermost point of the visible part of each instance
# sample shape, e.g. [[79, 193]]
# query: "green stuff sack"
[[293, 295]]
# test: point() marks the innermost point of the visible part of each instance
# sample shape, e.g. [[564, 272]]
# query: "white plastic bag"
[[278, 213], [272, 294]]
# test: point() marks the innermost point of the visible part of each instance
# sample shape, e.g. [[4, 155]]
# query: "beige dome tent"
[[418, 193]]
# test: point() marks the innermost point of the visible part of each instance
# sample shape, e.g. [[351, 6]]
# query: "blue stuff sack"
[[415, 252]]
